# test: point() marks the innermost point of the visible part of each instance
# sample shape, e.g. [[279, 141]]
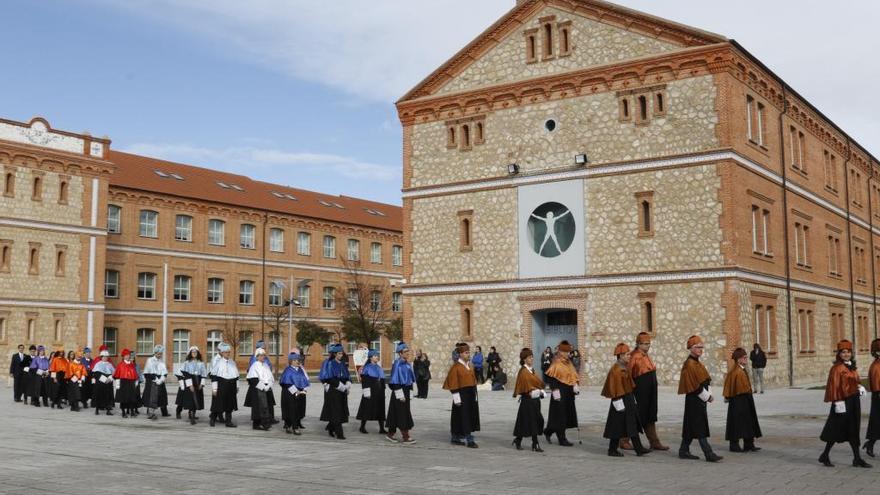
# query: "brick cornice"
[[18, 154]]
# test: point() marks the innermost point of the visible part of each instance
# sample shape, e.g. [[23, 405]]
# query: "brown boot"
[[651, 433], [625, 444]]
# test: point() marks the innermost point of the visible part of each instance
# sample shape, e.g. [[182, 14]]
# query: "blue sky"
[[301, 92]]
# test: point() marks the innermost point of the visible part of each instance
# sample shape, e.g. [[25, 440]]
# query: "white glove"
[[862, 391], [214, 386], [399, 394], [368, 393], [182, 384], [556, 395], [292, 389], [267, 386], [73, 379], [840, 407], [116, 384], [576, 390], [326, 387], [187, 383], [536, 394], [705, 395], [456, 399], [93, 381], [160, 380], [341, 387], [303, 391], [52, 375], [104, 379], [26, 369], [618, 405]]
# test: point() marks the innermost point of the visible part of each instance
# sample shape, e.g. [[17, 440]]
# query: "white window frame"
[[276, 240], [146, 282], [246, 292], [276, 294], [351, 299], [183, 228], [397, 255], [354, 250], [247, 236], [215, 292], [111, 280], [304, 244], [179, 346], [213, 340], [111, 342], [303, 294], [375, 300], [148, 225], [182, 288], [216, 232], [146, 340], [329, 247], [273, 343], [396, 302], [114, 219], [376, 252], [328, 298], [246, 343]]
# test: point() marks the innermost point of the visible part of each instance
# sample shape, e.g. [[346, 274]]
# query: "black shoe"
[[869, 448], [642, 451], [331, 433], [457, 442], [17, 400], [109, 412], [713, 457], [287, 430], [258, 427], [212, 421], [517, 444], [734, 447], [300, 426], [615, 453], [825, 461], [340, 437], [472, 445], [230, 424], [362, 430], [548, 436], [177, 414], [751, 448], [97, 411], [688, 456], [153, 417], [565, 443], [860, 463], [536, 448], [383, 431]]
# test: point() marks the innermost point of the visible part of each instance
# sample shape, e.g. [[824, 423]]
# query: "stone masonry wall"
[[46, 285], [48, 209]]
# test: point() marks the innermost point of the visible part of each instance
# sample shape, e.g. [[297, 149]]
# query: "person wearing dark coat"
[[102, 384], [563, 380], [422, 368], [155, 394], [493, 362], [294, 387], [546, 361], [86, 389], [18, 370], [742, 419], [873, 433], [224, 386], [194, 373], [461, 382], [694, 384], [843, 390], [759, 362], [372, 405], [401, 381], [334, 375], [39, 378], [260, 380], [623, 415], [530, 390], [644, 374], [126, 379]]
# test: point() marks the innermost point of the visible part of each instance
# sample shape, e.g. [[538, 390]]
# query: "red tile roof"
[[139, 172]]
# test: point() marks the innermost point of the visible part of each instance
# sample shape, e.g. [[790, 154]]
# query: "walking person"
[[530, 390], [477, 362], [155, 394], [39, 380], [126, 379], [493, 362], [102, 384], [623, 416], [334, 375], [742, 419], [563, 381], [19, 368], [260, 380], [224, 387], [194, 373], [546, 361], [294, 386], [759, 362], [401, 382], [873, 433], [694, 384], [372, 405], [422, 368], [76, 375], [644, 374], [843, 391], [461, 382]]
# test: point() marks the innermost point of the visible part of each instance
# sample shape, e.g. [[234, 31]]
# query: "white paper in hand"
[[187, 383], [456, 398], [399, 394], [292, 389], [840, 407], [556, 394], [326, 387], [215, 386], [618, 405], [368, 392], [705, 395]]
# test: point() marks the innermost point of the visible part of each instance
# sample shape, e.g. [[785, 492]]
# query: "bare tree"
[[365, 304], [276, 316], [234, 331]]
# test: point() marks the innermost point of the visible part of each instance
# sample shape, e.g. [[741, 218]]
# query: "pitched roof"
[[599, 10], [186, 181]]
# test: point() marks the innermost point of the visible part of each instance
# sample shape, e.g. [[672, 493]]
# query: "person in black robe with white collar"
[[372, 406], [155, 373], [260, 380], [224, 387], [334, 375]]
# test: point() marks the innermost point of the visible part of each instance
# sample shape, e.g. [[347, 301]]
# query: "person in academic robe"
[[644, 375], [155, 373], [334, 375], [401, 384], [742, 419], [260, 380], [873, 433], [57, 373], [294, 387], [76, 375], [138, 402], [102, 384], [260, 345], [843, 390], [623, 415], [26, 375], [39, 370], [194, 373], [125, 380], [530, 390], [18, 370], [224, 386], [372, 405], [461, 382], [563, 380], [694, 383], [86, 389]]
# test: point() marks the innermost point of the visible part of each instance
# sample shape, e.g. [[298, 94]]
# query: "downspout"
[[785, 236], [871, 245], [849, 244]]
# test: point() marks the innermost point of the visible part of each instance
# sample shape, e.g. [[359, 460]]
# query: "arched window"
[[478, 129], [643, 108], [59, 262], [566, 45], [659, 104], [62, 192], [649, 317], [34, 260], [450, 137], [58, 330], [465, 136], [548, 40], [38, 189], [9, 184], [5, 257], [646, 216]]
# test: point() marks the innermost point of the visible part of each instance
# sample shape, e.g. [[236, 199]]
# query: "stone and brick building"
[[586, 171], [101, 246]]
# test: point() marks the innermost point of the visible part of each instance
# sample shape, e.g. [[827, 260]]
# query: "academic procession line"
[[630, 387]]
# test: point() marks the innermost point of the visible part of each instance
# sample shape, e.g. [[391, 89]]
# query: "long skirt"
[[844, 427], [126, 395], [74, 392], [623, 424], [155, 395], [260, 407], [873, 432], [465, 417], [399, 414], [742, 419], [529, 420], [57, 387], [563, 412], [293, 407], [646, 397], [226, 399], [102, 393], [372, 408], [696, 420], [335, 408], [192, 397], [39, 387]]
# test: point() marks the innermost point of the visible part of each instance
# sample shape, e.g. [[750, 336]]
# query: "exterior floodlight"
[[513, 169], [581, 159]]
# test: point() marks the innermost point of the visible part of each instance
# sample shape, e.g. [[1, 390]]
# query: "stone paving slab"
[[43, 449]]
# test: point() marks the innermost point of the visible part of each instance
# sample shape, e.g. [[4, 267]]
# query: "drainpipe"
[[785, 236], [871, 245], [849, 244], [165, 311]]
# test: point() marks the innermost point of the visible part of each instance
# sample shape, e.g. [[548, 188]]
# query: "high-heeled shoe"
[[517, 444], [825, 461], [548, 436], [869, 448], [537, 448], [860, 463]]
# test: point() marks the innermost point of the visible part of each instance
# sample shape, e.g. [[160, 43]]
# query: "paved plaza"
[[45, 450]]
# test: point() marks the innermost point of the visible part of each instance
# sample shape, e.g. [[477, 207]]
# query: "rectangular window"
[[806, 327], [216, 232], [376, 345], [750, 118], [396, 302], [329, 246], [9, 183], [110, 336], [376, 252], [6, 255], [375, 301], [180, 346], [111, 284], [328, 300], [761, 119], [182, 285], [466, 309], [863, 343], [146, 340], [149, 224], [215, 290], [247, 238], [303, 294], [276, 240], [246, 343], [273, 347], [648, 310], [838, 332], [246, 292], [830, 171], [146, 285], [564, 38], [354, 250], [215, 337], [183, 228], [465, 226], [304, 244], [34, 258], [276, 294], [397, 255], [645, 205], [114, 219], [353, 299], [531, 37], [796, 149]]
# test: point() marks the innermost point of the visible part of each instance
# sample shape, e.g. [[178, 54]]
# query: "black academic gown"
[[102, 393], [742, 418], [261, 403], [399, 412], [844, 427], [465, 418], [646, 397], [696, 419], [562, 413], [335, 409], [623, 424], [155, 395], [39, 387], [873, 432], [372, 409], [226, 399], [194, 401], [529, 420]]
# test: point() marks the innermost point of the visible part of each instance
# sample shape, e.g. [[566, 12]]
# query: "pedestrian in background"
[[576, 360], [493, 362], [759, 362], [422, 368], [546, 360], [477, 362]]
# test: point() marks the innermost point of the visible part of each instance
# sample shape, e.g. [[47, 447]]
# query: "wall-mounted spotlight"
[[581, 159], [513, 169]]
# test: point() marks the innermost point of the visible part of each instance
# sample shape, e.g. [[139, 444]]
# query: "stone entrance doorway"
[[550, 319]]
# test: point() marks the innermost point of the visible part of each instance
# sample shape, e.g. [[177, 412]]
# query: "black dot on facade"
[[550, 125]]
